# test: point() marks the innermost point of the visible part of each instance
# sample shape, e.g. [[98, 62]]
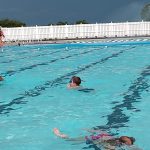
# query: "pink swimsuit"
[[96, 137]]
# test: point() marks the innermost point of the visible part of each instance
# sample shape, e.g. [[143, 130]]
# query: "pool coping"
[[99, 41]]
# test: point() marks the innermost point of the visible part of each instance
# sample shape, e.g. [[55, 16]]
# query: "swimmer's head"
[[1, 78], [126, 140], [75, 81]]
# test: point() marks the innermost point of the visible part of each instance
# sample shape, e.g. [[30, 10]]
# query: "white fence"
[[127, 29]]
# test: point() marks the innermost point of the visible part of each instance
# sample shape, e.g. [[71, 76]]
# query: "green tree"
[[62, 23], [81, 22], [145, 13], [11, 23]]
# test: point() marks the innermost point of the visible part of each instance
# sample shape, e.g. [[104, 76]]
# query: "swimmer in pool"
[[74, 82], [1, 78], [107, 141]]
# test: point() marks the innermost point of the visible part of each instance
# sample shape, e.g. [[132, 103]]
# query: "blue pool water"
[[34, 98]]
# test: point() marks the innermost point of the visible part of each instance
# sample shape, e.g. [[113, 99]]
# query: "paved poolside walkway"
[[87, 40]]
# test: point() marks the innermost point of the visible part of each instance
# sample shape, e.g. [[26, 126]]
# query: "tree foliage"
[[145, 13], [81, 22], [62, 23], [11, 23], [65, 22]]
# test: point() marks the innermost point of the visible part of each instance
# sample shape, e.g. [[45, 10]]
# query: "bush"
[[11, 23]]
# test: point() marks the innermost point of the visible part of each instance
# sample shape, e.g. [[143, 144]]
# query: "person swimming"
[[101, 138], [74, 82], [1, 78]]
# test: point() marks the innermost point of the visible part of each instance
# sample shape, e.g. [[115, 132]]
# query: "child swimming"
[[101, 138]]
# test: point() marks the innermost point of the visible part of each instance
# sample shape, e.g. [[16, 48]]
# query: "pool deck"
[[87, 40]]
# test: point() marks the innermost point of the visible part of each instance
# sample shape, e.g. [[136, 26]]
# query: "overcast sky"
[[43, 12]]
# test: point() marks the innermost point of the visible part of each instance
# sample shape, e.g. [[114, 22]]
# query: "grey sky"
[[43, 12]]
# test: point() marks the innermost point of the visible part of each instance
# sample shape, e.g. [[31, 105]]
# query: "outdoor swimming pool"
[[34, 98]]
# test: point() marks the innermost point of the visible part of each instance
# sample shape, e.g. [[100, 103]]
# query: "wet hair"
[[1, 78], [76, 80], [122, 140]]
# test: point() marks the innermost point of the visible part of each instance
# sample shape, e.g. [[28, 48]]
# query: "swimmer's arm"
[[94, 131], [76, 139]]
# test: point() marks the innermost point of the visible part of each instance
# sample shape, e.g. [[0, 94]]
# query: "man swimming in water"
[[74, 82]]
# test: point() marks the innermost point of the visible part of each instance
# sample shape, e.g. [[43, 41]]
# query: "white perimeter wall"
[[77, 31]]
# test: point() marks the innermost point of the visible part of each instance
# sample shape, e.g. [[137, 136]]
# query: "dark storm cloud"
[[42, 12]]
